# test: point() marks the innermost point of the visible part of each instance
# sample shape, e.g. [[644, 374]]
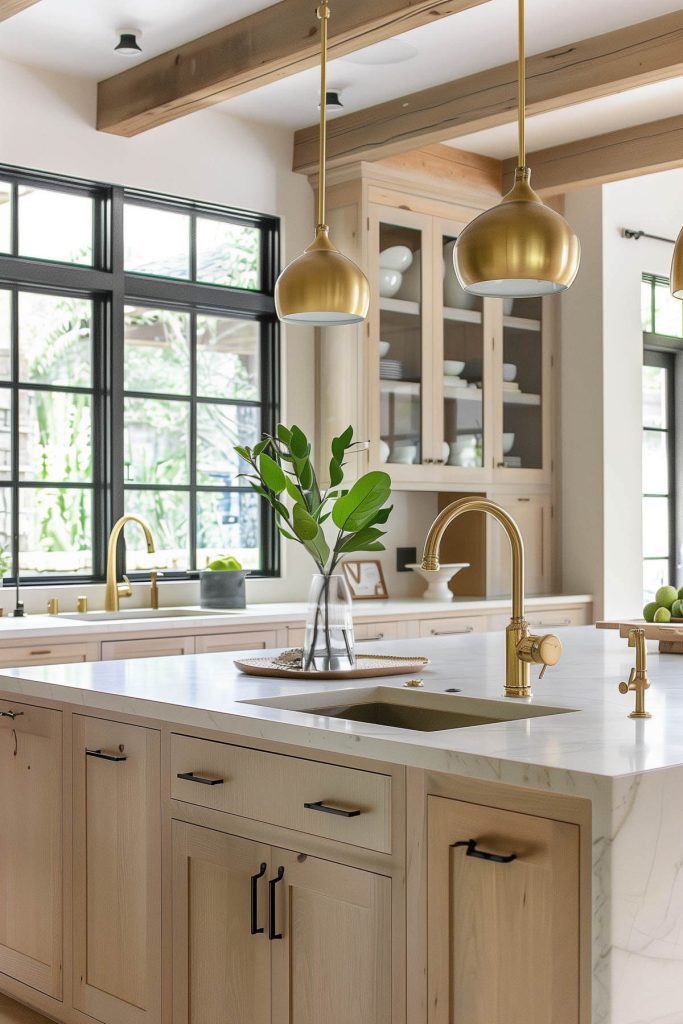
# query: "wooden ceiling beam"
[[627, 153], [271, 44], [650, 51], [8, 8]]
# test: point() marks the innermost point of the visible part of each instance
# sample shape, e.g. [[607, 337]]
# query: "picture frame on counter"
[[365, 579]]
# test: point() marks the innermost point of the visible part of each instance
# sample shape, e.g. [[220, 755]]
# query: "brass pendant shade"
[[520, 247], [677, 268], [322, 287]]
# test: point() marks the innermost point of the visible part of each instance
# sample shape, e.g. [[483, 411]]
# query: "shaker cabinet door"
[[31, 846], [117, 883], [332, 961], [221, 950], [503, 934]]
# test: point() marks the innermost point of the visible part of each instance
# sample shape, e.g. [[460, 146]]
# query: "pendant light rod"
[[323, 16], [521, 85]]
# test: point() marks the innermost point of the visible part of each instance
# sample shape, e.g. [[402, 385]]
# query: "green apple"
[[665, 597], [649, 611], [677, 610], [662, 615], [228, 563]]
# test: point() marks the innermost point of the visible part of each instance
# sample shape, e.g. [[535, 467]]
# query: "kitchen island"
[[163, 791]]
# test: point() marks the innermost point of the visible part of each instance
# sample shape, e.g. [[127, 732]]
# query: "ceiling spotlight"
[[128, 43], [333, 99]]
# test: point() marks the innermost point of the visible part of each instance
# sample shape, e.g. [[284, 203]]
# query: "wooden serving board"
[[669, 634]]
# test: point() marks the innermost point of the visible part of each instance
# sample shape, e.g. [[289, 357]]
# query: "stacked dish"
[[404, 452], [390, 369], [452, 368], [464, 451], [393, 262]]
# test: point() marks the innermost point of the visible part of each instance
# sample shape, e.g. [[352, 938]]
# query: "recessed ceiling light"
[[389, 51], [127, 45]]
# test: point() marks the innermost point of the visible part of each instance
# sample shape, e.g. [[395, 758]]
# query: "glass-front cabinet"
[[457, 383]]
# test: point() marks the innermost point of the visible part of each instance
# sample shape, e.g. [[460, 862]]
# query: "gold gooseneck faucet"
[[638, 680], [114, 590], [521, 648]]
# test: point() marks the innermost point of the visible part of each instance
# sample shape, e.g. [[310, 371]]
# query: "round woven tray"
[[367, 665]]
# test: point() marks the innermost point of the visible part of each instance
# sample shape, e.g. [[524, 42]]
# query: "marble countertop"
[[34, 626], [597, 738]]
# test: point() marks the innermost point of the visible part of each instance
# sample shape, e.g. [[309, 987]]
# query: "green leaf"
[[336, 472], [259, 490], [382, 515], [346, 437], [284, 434], [359, 507], [279, 508], [306, 475], [243, 453], [305, 525], [299, 445], [272, 474], [359, 541], [341, 443], [294, 492], [260, 447], [285, 533]]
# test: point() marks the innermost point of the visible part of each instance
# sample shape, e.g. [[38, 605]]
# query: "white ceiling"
[[77, 37]]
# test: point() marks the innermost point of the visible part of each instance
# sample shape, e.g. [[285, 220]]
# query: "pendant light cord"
[[521, 85], [323, 15]]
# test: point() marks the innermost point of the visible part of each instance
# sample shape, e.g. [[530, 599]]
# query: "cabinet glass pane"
[[5, 216], [400, 331], [463, 354], [522, 384]]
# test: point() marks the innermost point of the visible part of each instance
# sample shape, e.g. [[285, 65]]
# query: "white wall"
[[601, 382]]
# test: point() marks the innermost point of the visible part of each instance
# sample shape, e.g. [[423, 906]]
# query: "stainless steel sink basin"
[[413, 709], [144, 613]]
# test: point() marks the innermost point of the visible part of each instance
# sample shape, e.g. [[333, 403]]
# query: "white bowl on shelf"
[[384, 347], [405, 454], [396, 257], [453, 367], [437, 580], [454, 295], [508, 443], [410, 289], [463, 451], [384, 450], [389, 283], [509, 372], [507, 306]]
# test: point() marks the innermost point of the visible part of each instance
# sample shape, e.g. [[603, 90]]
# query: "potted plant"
[[328, 523], [221, 584]]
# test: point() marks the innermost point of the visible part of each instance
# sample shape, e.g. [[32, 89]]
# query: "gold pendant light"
[[322, 287], [520, 247], [677, 268]]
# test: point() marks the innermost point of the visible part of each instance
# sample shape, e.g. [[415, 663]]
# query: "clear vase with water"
[[328, 642]]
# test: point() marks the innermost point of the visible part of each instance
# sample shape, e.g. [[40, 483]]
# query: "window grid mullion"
[[192, 531]]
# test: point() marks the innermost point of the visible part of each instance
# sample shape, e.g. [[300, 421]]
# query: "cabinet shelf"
[[399, 306], [465, 316], [521, 323], [411, 388]]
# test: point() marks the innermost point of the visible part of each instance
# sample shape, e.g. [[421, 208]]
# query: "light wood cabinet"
[[247, 640], [116, 871], [263, 934], [48, 654], [503, 935], [221, 962], [31, 846], [532, 513], [152, 647]]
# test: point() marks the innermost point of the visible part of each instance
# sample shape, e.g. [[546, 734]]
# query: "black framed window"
[[659, 502], [138, 344]]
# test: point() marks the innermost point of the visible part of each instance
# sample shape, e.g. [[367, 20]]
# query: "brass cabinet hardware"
[[638, 681], [452, 632], [551, 625], [37, 654], [521, 649], [53, 606], [82, 604], [365, 639]]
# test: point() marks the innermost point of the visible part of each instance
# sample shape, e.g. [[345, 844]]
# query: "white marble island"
[[631, 772]]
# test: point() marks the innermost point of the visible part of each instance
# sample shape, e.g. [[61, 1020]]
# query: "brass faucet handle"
[[540, 650], [124, 588]]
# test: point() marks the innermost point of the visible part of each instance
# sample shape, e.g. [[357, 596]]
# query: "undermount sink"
[[143, 613], [412, 709]]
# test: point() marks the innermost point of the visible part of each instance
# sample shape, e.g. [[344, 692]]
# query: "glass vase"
[[328, 642]]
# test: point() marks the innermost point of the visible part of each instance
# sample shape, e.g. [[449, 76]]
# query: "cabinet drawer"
[[154, 647], [375, 630], [48, 654], [453, 626], [552, 618], [253, 640], [275, 788]]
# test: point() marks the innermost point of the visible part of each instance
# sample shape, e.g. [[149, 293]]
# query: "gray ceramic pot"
[[222, 589]]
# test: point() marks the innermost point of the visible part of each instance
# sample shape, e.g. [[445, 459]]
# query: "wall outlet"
[[404, 556]]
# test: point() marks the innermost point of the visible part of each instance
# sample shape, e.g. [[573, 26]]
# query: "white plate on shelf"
[[396, 257]]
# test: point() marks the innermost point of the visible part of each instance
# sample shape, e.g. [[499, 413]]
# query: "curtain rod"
[[631, 233]]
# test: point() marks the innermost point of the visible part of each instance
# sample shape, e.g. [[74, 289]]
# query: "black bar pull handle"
[[11, 714], [203, 780], [255, 930], [472, 851], [324, 808], [273, 933], [104, 755]]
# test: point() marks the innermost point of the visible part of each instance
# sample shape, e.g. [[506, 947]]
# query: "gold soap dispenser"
[[638, 681]]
